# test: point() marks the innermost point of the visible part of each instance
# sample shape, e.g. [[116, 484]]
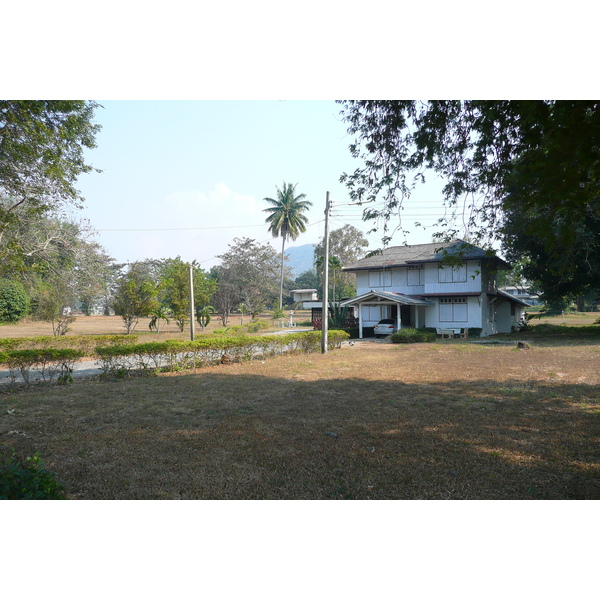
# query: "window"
[[379, 279], [449, 274], [373, 279], [453, 309], [372, 313], [386, 278], [415, 275]]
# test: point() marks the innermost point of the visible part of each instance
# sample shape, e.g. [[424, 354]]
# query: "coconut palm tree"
[[286, 220]]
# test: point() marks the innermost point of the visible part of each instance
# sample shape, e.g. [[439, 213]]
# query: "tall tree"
[[174, 284], [347, 244], [335, 267], [286, 220], [135, 296], [93, 274], [42, 147], [530, 166], [248, 274]]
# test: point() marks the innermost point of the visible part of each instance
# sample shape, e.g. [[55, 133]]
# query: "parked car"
[[385, 327]]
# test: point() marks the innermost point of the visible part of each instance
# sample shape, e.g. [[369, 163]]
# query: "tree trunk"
[[281, 282]]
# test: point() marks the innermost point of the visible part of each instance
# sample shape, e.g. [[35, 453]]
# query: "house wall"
[[460, 312], [508, 317], [430, 279], [459, 315], [305, 296]]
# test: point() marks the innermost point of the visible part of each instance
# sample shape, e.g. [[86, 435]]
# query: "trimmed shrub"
[[253, 327], [427, 329], [353, 332], [49, 362], [14, 301], [84, 343], [412, 336], [174, 355], [28, 480]]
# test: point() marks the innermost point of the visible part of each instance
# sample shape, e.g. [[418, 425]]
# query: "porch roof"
[[380, 297]]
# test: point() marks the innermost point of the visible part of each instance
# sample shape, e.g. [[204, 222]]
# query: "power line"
[[193, 228], [184, 228]]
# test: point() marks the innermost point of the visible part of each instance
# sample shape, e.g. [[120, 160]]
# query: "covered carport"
[[379, 298]]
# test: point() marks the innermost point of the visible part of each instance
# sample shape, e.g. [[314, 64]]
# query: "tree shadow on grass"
[[553, 336], [243, 436]]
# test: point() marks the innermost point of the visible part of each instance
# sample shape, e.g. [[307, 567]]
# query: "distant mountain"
[[300, 258]]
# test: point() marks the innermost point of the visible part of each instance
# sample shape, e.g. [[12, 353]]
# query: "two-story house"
[[416, 287]]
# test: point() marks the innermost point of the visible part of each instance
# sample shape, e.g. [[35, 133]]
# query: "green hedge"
[[84, 343], [233, 330], [175, 355], [121, 359], [48, 362], [411, 336]]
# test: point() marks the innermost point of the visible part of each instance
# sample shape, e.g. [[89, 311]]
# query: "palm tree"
[[286, 220], [159, 312]]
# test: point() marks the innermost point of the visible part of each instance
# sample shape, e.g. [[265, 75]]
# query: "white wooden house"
[[412, 285], [308, 297]]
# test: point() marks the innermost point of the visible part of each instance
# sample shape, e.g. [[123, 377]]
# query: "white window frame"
[[454, 302], [380, 278], [415, 269], [450, 274], [374, 276]]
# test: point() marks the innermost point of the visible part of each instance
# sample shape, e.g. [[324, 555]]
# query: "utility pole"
[[192, 307], [325, 310]]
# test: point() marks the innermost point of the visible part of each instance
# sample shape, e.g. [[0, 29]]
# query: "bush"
[[353, 332], [475, 332], [411, 336], [84, 343], [49, 362], [28, 480], [14, 302], [175, 355], [252, 327]]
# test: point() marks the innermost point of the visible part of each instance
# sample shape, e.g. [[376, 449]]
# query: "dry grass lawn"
[[450, 420], [101, 325]]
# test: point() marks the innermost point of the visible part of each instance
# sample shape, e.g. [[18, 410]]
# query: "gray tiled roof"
[[398, 256]]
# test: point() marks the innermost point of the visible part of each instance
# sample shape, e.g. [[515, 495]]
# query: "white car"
[[384, 327]]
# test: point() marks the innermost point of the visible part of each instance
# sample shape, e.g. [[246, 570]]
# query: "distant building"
[[524, 294], [308, 297]]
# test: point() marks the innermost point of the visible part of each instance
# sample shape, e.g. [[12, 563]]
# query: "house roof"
[[512, 298], [401, 256], [393, 296], [307, 290]]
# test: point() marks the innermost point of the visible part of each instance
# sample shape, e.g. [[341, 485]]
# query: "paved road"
[[84, 368]]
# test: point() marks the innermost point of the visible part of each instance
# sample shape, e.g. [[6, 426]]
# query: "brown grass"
[[101, 325], [449, 420]]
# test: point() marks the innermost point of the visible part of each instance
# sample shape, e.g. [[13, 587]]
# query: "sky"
[[184, 178]]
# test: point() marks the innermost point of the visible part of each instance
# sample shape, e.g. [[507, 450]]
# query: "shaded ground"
[[369, 421]]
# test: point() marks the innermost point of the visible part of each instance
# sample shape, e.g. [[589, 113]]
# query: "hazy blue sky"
[[193, 175]]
